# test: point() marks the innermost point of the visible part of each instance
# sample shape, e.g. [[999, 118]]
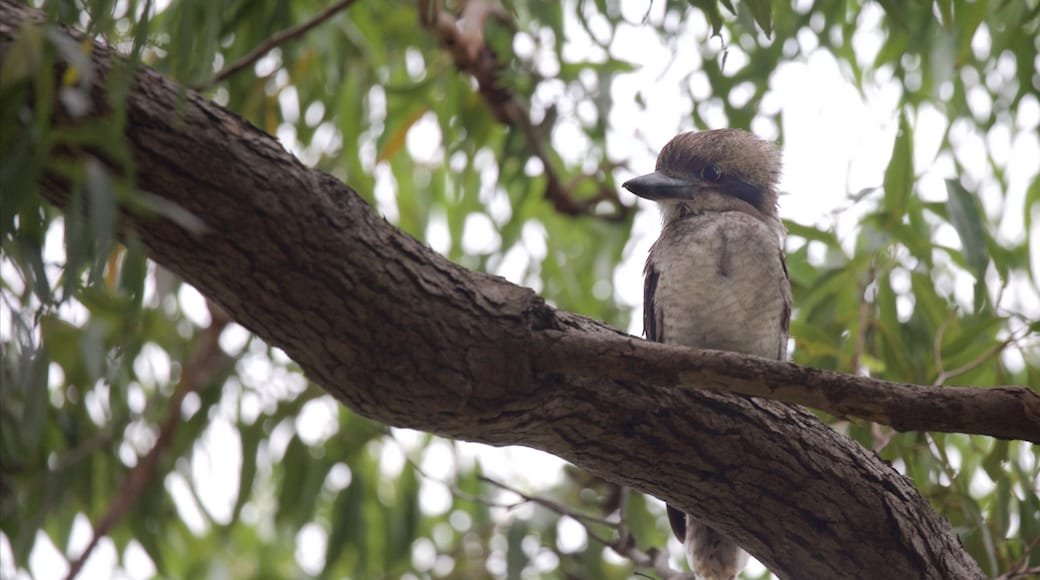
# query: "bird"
[[716, 278]]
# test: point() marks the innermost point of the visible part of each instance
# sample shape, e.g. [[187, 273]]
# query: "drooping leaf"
[[899, 176], [966, 216]]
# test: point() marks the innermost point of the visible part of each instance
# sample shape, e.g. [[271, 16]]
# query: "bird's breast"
[[721, 284]]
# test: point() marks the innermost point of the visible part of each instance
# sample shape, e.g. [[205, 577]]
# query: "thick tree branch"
[[1009, 412], [403, 336]]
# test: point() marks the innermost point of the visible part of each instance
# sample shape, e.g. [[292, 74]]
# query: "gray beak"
[[657, 185]]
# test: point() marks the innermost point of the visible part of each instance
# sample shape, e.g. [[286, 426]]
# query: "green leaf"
[[294, 463], [710, 8], [403, 517], [101, 205], [133, 272], [1032, 200], [37, 407], [516, 558], [250, 446], [349, 517], [21, 57], [969, 16], [994, 461], [811, 233], [966, 217], [945, 8], [762, 10], [899, 176]]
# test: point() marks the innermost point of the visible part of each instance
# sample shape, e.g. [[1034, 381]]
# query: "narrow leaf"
[[966, 217], [899, 176], [762, 10]]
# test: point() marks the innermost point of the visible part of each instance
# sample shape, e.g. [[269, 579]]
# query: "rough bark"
[[1009, 412], [403, 336]]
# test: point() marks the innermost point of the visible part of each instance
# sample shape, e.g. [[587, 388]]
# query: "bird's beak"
[[657, 185]]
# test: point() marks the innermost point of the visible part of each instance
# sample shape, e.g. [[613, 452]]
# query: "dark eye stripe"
[[741, 190]]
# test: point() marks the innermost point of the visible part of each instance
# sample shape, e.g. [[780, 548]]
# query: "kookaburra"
[[716, 278]]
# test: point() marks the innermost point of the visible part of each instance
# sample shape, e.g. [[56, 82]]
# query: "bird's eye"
[[711, 173]]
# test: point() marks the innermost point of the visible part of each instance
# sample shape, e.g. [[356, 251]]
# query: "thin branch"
[[1008, 412], [624, 545], [275, 41], [454, 489], [864, 319], [882, 434], [552, 505], [1031, 572], [1022, 568], [199, 369], [464, 39], [525, 498], [994, 350]]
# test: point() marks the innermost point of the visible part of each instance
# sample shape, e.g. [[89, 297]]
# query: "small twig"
[[454, 489], [199, 368], [552, 505], [864, 317], [275, 41], [624, 545], [994, 350], [623, 530], [1022, 568], [83, 450], [939, 453], [883, 435], [1019, 573]]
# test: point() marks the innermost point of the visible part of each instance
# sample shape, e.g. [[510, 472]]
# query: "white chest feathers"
[[717, 280]]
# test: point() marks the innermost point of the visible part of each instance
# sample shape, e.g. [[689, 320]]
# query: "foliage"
[[908, 282]]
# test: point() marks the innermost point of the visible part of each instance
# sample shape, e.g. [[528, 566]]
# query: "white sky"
[[837, 143]]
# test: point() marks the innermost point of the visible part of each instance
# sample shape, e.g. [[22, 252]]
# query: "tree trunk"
[[401, 335]]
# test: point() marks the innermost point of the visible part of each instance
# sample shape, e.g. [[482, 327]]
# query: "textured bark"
[[403, 336], [1008, 412]]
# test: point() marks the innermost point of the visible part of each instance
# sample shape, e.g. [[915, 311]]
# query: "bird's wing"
[[653, 327], [785, 318], [677, 519]]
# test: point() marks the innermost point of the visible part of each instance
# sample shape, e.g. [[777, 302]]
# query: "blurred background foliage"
[[130, 404]]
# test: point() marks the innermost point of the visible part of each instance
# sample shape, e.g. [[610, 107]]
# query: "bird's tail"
[[712, 555]]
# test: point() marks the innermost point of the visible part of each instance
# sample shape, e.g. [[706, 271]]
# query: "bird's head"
[[720, 170]]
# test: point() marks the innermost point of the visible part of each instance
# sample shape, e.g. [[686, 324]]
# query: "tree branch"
[[463, 38], [275, 41], [199, 369], [401, 335], [624, 544], [1008, 412]]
